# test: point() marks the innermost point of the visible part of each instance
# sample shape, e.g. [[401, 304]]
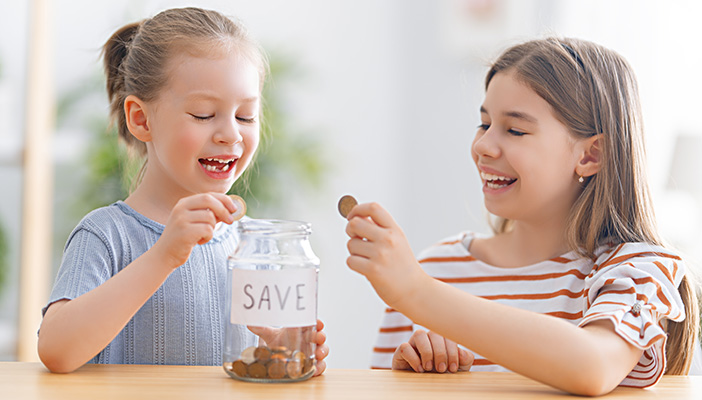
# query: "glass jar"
[[272, 292]]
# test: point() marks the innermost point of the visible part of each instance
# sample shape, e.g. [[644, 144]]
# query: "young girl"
[[143, 281], [574, 289]]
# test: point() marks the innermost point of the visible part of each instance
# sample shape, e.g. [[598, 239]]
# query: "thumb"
[[465, 359]]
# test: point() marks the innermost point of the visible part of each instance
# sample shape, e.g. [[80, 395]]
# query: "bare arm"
[[74, 331], [591, 360]]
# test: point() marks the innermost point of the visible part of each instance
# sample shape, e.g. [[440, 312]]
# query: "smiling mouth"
[[217, 164], [493, 181]]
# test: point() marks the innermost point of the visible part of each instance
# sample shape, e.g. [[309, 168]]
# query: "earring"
[[581, 179]]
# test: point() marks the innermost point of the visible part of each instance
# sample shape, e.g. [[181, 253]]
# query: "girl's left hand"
[[322, 351], [379, 250]]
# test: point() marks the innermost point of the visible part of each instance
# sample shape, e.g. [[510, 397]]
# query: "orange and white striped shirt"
[[634, 285]]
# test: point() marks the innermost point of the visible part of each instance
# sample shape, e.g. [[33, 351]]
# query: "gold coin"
[[240, 207], [346, 203]]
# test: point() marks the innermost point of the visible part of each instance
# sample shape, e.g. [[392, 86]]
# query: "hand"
[[428, 351], [298, 338], [379, 250], [192, 221]]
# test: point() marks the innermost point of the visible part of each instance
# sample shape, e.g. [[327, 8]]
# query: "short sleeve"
[[87, 263], [635, 287]]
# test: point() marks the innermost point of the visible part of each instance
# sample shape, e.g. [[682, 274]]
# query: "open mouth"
[[496, 181], [217, 164]]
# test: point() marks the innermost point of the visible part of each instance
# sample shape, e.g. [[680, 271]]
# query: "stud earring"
[[581, 179]]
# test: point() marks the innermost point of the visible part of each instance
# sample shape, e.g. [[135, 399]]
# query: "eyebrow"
[[513, 114], [208, 96]]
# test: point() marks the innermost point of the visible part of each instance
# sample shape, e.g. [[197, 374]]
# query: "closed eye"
[[202, 117], [483, 127], [516, 132], [247, 120]]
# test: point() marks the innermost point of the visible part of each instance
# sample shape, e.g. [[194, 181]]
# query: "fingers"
[[465, 359], [406, 357], [438, 346], [420, 341], [451, 355], [375, 212]]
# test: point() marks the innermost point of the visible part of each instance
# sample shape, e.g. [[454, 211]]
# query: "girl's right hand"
[[428, 351], [192, 221]]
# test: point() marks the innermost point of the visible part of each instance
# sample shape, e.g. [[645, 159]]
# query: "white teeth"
[[491, 177], [219, 160]]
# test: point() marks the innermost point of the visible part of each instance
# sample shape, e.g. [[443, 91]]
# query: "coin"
[[257, 370], [247, 355], [240, 207], [346, 203], [239, 368], [262, 354], [294, 369], [276, 369]]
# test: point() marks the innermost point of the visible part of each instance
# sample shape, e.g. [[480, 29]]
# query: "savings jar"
[[272, 293]]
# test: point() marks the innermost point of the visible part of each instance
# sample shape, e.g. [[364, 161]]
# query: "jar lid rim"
[[270, 226]]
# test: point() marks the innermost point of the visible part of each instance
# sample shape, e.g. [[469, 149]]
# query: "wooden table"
[[28, 381]]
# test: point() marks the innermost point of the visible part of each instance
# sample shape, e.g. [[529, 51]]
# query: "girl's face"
[[525, 156], [204, 124]]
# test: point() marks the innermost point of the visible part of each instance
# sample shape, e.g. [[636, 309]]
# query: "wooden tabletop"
[[28, 381]]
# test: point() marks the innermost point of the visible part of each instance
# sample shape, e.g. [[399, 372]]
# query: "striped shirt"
[[633, 285]]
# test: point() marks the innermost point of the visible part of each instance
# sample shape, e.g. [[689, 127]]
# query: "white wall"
[[395, 86]]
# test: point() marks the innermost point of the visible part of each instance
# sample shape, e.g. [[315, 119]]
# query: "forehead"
[[227, 73], [507, 93]]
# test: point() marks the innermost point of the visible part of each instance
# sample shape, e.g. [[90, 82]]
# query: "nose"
[[228, 132], [485, 144]]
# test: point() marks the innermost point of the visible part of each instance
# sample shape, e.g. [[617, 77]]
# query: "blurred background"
[[375, 98]]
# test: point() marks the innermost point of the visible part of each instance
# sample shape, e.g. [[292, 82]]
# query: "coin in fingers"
[[240, 207], [346, 203]]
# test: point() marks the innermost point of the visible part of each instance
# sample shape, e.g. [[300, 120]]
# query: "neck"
[[153, 199]]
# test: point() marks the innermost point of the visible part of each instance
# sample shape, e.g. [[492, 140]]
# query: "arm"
[[73, 331], [591, 360]]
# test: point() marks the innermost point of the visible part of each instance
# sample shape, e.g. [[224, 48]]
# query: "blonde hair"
[[135, 57], [592, 91]]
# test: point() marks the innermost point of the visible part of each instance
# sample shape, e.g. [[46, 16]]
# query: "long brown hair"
[[136, 56], [593, 90]]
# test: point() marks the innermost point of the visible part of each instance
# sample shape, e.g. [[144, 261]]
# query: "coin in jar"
[[247, 355], [257, 370], [239, 368], [276, 369], [294, 369], [262, 354], [346, 203]]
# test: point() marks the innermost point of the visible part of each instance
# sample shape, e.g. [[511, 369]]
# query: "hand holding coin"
[[240, 207], [346, 204]]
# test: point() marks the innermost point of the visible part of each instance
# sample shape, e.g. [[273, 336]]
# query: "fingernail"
[[453, 367], [427, 366], [442, 367], [420, 369]]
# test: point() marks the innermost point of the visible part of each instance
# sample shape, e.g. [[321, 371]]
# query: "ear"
[[591, 158], [137, 118]]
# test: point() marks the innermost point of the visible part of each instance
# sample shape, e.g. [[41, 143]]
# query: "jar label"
[[283, 298]]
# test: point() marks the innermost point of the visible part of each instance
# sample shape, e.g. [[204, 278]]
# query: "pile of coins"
[[271, 363]]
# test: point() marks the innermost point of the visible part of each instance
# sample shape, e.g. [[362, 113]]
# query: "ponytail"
[[114, 52]]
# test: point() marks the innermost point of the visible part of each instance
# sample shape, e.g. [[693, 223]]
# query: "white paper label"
[[284, 298]]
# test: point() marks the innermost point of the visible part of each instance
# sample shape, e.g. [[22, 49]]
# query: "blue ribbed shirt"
[[183, 322]]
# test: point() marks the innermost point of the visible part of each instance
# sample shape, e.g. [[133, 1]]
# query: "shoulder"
[[114, 223], [658, 261]]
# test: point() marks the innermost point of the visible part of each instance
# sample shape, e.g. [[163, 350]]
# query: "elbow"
[[55, 361], [592, 379]]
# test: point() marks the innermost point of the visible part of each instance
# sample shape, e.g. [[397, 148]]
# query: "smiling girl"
[[574, 288], [143, 281]]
